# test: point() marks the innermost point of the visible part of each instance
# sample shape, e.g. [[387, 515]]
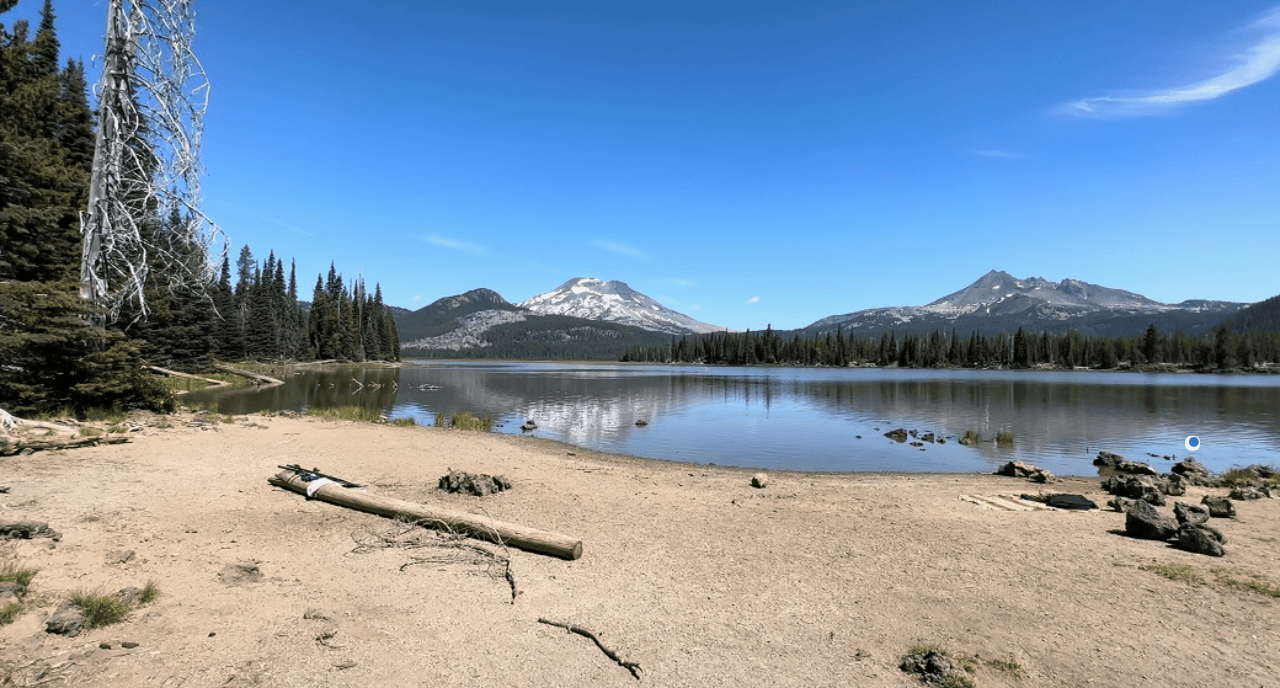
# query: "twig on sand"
[[633, 667], [452, 548]]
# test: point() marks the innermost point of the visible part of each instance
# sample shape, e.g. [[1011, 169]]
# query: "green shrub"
[[100, 609], [150, 592], [13, 573], [11, 612], [465, 421], [352, 413]]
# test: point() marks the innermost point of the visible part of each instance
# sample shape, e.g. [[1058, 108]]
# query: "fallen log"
[[263, 379], [14, 445], [521, 537]]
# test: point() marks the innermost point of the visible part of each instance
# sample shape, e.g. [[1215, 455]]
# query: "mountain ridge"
[[614, 301]]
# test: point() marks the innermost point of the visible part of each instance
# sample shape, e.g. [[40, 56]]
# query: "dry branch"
[[633, 667], [447, 546], [270, 381]]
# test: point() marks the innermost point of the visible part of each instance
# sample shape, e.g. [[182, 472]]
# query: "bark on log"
[[521, 537]]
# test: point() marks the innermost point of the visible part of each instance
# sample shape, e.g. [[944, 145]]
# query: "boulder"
[[1245, 494], [899, 435], [1201, 539], [1189, 467], [1134, 487], [1173, 485], [1019, 469], [759, 480], [68, 620], [26, 530], [479, 485], [1143, 521], [1119, 464], [1219, 507], [934, 668], [1189, 513], [1120, 504]]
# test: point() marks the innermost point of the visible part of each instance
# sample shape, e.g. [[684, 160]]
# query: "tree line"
[[62, 353], [1222, 350]]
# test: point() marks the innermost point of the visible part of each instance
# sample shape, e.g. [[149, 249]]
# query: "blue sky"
[[747, 163]]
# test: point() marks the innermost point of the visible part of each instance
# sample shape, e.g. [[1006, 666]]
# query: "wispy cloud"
[[1259, 62], [453, 244], [998, 154], [682, 282], [286, 225], [754, 299], [620, 248]]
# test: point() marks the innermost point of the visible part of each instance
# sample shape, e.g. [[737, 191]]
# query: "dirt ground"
[[814, 580]]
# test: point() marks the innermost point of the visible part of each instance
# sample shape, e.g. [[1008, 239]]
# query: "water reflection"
[[811, 419]]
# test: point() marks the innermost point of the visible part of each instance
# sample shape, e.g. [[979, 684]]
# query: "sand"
[[815, 580]]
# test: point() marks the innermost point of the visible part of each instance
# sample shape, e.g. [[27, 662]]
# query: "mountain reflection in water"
[[811, 418]]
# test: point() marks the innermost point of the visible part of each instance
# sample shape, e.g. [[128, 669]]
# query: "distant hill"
[[1263, 315], [482, 324], [1000, 302]]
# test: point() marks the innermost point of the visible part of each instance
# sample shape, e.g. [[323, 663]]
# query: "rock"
[[120, 556], [1245, 494], [759, 480], [11, 591], [1120, 504], [1189, 513], [899, 435], [641, 423], [244, 572], [1120, 464], [528, 425], [478, 485], [68, 620], [1190, 467], [1143, 521], [934, 668], [1042, 476], [131, 596], [1070, 501], [128, 645], [1173, 485], [317, 614], [26, 530], [1201, 539], [965, 441], [1019, 469], [927, 437], [1134, 487], [1219, 507]]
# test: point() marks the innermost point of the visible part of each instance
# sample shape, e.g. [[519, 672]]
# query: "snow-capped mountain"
[[999, 301], [614, 301]]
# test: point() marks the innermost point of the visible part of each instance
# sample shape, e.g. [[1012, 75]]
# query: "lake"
[[816, 419]]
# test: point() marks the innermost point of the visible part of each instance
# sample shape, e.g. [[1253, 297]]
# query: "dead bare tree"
[[144, 192]]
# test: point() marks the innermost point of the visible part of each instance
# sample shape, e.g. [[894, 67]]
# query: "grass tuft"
[[1239, 477], [1004, 438], [11, 612], [100, 609], [13, 573], [972, 436], [404, 422], [1008, 666], [1258, 585], [465, 421], [150, 592], [1183, 573], [359, 414]]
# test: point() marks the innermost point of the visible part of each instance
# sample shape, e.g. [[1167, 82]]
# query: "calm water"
[[818, 419]]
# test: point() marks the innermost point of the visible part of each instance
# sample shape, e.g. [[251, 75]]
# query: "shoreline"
[[703, 580]]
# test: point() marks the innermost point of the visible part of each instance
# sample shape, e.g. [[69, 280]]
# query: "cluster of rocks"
[[1019, 469], [1189, 527], [935, 668], [1138, 489], [918, 438], [478, 485]]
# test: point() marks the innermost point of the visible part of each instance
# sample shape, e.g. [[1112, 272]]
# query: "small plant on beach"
[[1007, 666], [1004, 438], [1253, 583], [150, 592], [404, 422], [353, 413], [13, 573], [1239, 477], [100, 609], [465, 421], [88, 431], [10, 612], [1182, 573]]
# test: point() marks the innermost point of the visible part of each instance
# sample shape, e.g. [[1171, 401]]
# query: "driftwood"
[[11, 445], [270, 381], [633, 667], [173, 373], [483, 527]]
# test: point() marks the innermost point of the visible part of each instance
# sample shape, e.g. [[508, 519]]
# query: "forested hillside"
[[62, 353], [1220, 351]]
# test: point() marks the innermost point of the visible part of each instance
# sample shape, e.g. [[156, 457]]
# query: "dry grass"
[[465, 421], [100, 609]]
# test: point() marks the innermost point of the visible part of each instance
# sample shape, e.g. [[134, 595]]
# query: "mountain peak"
[[613, 301]]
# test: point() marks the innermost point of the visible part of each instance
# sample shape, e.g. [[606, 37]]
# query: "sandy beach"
[[814, 580]]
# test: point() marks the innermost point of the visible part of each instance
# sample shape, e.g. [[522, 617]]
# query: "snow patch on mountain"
[[613, 301]]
